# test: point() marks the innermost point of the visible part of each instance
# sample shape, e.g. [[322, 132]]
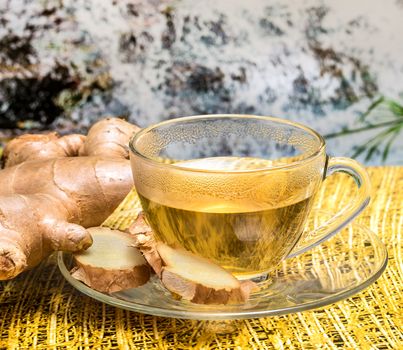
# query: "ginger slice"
[[187, 275], [144, 240], [112, 263], [199, 280]]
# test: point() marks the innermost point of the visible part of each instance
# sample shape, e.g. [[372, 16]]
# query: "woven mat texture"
[[40, 310]]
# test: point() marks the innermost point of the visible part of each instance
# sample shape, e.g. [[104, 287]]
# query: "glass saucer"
[[332, 271]]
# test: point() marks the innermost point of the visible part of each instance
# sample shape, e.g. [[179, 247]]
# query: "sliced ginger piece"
[[199, 280], [144, 240], [187, 275], [112, 263]]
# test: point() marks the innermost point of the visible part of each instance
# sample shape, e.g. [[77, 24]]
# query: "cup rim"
[[136, 136]]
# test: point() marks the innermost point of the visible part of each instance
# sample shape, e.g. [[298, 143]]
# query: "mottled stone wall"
[[65, 64]]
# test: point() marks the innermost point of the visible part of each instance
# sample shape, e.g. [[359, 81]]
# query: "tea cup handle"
[[329, 228]]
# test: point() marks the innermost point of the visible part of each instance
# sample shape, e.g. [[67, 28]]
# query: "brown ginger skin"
[[48, 195], [199, 293], [107, 138], [27, 239], [90, 187], [41, 146], [143, 238]]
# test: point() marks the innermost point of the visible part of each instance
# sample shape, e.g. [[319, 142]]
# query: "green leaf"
[[386, 150], [395, 133], [373, 105], [371, 151], [358, 151], [395, 108]]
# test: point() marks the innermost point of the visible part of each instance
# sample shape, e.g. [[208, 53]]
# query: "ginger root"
[[45, 204], [107, 138]]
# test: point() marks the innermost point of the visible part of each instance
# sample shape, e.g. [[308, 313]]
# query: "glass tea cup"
[[237, 189]]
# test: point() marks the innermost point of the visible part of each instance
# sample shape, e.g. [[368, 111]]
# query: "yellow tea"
[[240, 231]]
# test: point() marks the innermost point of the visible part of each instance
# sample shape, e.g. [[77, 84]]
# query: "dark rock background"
[[64, 65]]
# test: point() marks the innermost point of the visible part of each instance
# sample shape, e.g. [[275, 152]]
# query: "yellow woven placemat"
[[39, 309]]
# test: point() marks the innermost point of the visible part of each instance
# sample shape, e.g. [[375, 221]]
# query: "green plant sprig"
[[392, 120]]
